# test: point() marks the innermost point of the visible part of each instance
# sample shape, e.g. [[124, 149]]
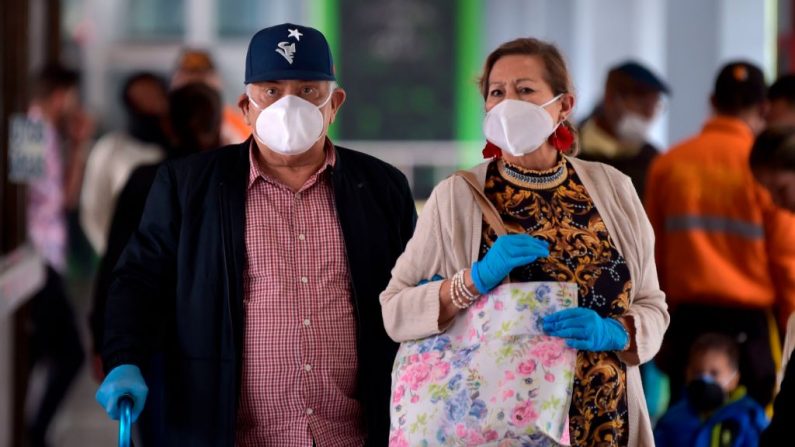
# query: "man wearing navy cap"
[[618, 130], [273, 253]]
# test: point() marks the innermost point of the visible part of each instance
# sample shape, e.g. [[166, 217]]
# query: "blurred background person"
[[773, 163], [196, 65], [725, 253], [118, 153], [716, 407], [54, 339], [195, 111], [617, 132], [782, 101]]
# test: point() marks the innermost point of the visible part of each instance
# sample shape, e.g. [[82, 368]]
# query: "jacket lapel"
[[232, 209]]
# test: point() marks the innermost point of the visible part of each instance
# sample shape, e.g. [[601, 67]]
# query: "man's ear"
[[337, 99], [243, 104]]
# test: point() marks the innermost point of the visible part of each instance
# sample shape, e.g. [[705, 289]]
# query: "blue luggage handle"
[[125, 420]]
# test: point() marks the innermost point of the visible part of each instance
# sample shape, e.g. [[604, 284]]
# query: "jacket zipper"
[[221, 203]]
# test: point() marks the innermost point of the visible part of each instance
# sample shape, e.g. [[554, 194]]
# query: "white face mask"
[[291, 125], [633, 128], [519, 127]]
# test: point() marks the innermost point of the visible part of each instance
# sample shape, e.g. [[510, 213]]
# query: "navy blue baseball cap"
[[642, 75], [288, 51]]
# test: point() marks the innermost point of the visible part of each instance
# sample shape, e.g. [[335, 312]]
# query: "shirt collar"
[[255, 172], [729, 124]]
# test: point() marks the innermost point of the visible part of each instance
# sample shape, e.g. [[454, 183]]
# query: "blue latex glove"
[[508, 252], [585, 330], [426, 281], [123, 379]]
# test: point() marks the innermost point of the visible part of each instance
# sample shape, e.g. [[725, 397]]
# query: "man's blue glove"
[[426, 281], [122, 380], [585, 330], [508, 252]]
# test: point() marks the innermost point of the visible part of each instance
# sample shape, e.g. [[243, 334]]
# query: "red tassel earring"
[[491, 151], [562, 138]]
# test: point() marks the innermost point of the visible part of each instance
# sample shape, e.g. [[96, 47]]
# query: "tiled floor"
[[80, 420]]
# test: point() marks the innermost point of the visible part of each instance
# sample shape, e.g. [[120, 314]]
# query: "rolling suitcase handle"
[[125, 420]]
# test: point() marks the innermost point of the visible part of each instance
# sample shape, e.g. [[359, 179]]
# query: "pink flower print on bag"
[[527, 367], [549, 351], [524, 414]]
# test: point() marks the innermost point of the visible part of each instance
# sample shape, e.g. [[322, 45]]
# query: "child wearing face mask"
[[716, 411]]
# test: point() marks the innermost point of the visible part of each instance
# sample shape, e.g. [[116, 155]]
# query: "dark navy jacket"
[[178, 286]]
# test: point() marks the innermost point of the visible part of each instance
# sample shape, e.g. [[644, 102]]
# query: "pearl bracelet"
[[460, 295]]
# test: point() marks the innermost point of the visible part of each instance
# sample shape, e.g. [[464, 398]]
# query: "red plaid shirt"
[[299, 356]]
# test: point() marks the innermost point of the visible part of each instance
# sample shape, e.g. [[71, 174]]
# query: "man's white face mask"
[[634, 128], [291, 125]]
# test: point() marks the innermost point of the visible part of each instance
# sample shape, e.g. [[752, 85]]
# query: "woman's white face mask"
[[291, 125], [519, 127]]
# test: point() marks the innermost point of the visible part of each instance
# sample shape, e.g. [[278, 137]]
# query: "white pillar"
[[747, 30], [104, 26], [201, 29], [704, 35]]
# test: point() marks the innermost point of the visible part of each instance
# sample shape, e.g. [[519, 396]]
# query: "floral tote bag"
[[493, 378]]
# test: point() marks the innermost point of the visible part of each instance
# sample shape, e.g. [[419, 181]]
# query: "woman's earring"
[[562, 138]]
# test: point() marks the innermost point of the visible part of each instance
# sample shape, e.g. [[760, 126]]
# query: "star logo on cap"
[[294, 33]]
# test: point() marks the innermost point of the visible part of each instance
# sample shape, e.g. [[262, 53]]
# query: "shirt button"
[[301, 237], [304, 279], [310, 411], [298, 196], [307, 322], [307, 367]]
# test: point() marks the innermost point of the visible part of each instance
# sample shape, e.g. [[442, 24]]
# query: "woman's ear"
[[566, 106]]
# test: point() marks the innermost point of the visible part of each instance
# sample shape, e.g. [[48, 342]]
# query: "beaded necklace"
[[535, 180]]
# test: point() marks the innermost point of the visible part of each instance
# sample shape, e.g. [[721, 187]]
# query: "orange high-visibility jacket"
[[720, 239]]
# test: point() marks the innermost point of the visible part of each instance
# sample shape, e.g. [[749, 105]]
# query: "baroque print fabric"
[[554, 206]]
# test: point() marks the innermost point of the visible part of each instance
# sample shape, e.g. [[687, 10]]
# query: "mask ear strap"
[[552, 100], [331, 93], [253, 102]]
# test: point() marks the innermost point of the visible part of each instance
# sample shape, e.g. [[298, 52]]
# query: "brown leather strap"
[[490, 213]]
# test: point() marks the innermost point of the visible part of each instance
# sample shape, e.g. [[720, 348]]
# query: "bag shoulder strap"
[[490, 213]]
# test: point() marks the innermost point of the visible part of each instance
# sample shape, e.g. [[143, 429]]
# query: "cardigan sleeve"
[[410, 311], [648, 310]]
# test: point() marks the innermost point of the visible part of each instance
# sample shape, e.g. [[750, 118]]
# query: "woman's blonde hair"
[[556, 74]]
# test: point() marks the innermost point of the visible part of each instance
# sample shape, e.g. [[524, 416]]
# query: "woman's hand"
[[585, 330], [508, 252]]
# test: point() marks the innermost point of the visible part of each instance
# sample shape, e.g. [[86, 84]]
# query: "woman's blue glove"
[[508, 252], [585, 330], [122, 380]]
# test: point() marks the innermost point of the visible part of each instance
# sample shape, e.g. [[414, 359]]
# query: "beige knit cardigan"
[[447, 239]]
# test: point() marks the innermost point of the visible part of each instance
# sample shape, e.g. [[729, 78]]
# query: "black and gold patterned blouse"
[[554, 205]]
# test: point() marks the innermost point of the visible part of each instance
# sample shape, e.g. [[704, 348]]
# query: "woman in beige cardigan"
[[568, 220]]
